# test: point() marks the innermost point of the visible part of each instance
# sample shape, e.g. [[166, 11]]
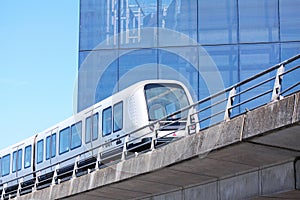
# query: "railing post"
[[34, 189], [75, 167], [98, 160], [277, 84], [229, 104], [55, 175], [191, 123], [19, 187], [124, 152], [3, 191], [154, 137]]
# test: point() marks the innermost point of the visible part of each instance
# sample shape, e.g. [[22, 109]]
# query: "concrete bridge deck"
[[252, 156]]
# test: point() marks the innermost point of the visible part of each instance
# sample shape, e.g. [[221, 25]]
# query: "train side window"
[[91, 128], [27, 157], [48, 147], [51, 146], [17, 160], [40, 151], [5, 165], [76, 135], [118, 116], [14, 161], [64, 136], [88, 130], [95, 126], [107, 121]]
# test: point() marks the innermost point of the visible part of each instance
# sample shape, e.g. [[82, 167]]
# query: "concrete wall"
[[263, 182]]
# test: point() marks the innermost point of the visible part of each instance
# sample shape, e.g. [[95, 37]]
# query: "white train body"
[[102, 125]]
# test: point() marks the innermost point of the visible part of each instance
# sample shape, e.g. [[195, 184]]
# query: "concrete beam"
[[272, 182], [297, 177]]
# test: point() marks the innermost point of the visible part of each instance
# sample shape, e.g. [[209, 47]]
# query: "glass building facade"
[[209, 45]]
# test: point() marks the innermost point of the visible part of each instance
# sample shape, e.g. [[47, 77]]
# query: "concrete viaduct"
[[255, 155]]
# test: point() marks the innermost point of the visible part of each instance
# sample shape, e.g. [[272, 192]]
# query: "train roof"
[[130, 88], [13, 147]]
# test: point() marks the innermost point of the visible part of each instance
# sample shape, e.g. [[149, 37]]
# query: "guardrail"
[[270, 85]]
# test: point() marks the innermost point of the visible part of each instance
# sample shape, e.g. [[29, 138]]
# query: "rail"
[[270, 85]]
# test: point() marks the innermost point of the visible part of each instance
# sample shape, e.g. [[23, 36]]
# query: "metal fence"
[[270, 85]]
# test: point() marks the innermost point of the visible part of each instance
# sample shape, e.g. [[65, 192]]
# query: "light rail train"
[[102, 125]]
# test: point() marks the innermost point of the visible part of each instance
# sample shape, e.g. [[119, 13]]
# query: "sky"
[[38, 65]]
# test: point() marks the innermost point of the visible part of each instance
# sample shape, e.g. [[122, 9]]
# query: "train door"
[[51, 148], [17, 161], [91, 132], [112, 125]]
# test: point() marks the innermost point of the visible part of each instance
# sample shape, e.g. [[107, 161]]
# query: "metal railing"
[[262, 88]]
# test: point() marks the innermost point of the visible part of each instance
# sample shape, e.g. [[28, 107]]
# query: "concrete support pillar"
[[297, 173]]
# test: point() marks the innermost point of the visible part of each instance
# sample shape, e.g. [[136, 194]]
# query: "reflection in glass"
[[255, 59], [217, 21], [258, 21], [180, 63], [179, 16], [287, 51], [242, 37], [142, 62], [289, 20]]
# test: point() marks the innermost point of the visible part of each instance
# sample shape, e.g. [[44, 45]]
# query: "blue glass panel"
[[98, 24], [108, 82], [135, 19], [254, 59], [226, 60], [289, 20], [217, 21], [179, 16], [215, 76], [258, 20], [82, 56], [289, 50], [180, 63], [97, 77], [142, 62]]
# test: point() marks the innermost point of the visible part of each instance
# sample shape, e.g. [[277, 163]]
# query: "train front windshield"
[[165, 99]]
